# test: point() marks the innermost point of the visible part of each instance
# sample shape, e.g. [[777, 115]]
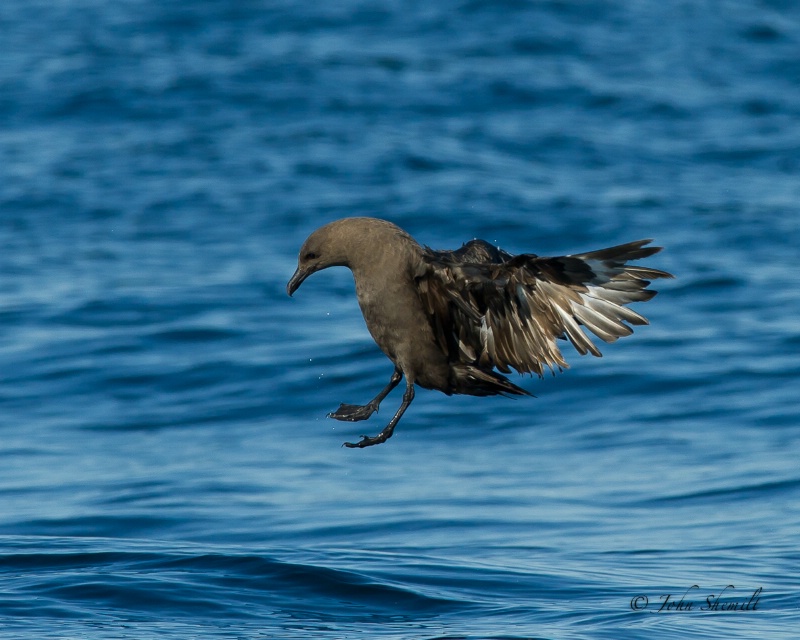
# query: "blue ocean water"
[[166, 467]]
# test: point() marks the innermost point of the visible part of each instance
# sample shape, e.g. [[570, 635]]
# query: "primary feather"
[[497, 310]]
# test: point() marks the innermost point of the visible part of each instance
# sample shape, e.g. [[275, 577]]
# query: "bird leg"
[[355, 412], [388, 430]]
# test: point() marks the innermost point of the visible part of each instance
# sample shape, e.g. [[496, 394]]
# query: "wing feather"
[[493, 309]]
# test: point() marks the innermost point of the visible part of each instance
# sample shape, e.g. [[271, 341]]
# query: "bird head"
[[322, 249], [357, 243]]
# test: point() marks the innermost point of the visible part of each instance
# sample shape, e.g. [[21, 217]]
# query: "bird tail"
[[470, 380]]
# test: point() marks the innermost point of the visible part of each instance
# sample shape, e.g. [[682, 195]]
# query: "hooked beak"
[[297, 279]]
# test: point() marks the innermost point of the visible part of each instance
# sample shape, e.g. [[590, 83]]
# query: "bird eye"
[[311, 256]]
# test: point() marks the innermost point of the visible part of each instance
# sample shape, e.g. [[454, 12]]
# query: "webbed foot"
[[353, 412], [368, 441]]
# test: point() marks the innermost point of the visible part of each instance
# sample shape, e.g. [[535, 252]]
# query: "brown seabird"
[[447, 319]]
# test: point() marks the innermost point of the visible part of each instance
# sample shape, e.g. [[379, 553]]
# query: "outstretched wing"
[[496, 310]]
